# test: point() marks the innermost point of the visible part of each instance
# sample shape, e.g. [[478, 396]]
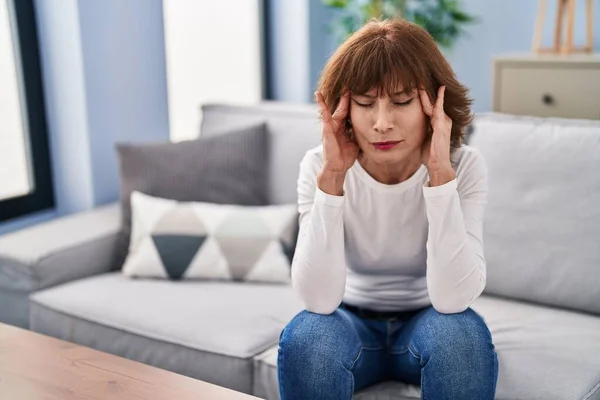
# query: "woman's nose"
[[383, 122]]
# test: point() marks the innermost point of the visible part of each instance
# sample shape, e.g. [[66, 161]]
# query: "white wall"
[[66, 111], [125, 82], [213, 52], [103, 68]]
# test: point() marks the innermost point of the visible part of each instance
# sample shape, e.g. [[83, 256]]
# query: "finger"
[[426, 103], [325, 115], [342, 109], [439, 103]]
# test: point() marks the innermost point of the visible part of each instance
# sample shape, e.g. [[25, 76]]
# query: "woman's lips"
[[385, 145]]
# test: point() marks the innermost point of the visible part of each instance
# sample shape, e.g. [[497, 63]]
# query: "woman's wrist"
[[331, 182], [441, 177]]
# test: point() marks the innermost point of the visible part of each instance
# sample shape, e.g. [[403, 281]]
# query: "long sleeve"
[[319, 265], [456, 268]]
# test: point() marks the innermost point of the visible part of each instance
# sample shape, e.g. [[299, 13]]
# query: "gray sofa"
[[542, 242]]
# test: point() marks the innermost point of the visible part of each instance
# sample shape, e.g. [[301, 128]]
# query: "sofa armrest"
[[61, 250]]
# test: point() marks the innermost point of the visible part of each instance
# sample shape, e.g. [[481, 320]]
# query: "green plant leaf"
[[460, 16], [336, 3], [443, 19], [367, 11]]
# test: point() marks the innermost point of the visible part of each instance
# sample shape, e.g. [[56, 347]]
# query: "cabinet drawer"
[[548, 92]]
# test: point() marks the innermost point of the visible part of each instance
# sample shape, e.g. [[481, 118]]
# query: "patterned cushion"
[[179, 240], [225, 169]]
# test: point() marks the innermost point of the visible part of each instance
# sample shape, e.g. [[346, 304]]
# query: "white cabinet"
[[548, 85]]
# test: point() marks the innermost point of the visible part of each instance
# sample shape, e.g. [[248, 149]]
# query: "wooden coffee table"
[[34, 366]]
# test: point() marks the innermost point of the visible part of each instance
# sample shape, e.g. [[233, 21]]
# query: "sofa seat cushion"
[[543, 353], [209, 330]]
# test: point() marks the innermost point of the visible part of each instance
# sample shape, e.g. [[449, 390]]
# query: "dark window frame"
[[42, 196], [266, 51]]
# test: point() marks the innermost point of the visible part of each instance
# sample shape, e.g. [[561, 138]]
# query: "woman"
[[390, 253]]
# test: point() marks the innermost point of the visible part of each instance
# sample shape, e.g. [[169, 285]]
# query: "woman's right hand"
[[339, 151]]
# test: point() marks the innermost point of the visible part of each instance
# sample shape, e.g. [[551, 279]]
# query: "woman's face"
[[388, 130]]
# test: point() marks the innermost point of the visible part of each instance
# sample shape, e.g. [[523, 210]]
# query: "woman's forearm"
[[455, 261], [319, 265]]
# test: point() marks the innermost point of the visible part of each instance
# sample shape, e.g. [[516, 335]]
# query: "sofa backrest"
[[294, 129], [542, 221]]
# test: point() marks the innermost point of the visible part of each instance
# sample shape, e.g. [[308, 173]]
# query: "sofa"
[[542, 244]]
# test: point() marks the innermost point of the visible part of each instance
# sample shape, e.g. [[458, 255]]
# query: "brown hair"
[[385, 54]]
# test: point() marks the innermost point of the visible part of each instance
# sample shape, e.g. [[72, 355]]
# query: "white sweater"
[[391, 247]]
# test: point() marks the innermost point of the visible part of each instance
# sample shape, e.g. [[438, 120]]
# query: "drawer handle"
[[547, 99]]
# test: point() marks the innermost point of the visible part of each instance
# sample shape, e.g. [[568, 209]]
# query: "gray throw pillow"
[[231, 168]]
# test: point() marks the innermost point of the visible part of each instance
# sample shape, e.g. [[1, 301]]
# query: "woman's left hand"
[[435, 153]]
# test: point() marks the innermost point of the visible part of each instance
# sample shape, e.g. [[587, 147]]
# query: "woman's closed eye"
[[399, 104]]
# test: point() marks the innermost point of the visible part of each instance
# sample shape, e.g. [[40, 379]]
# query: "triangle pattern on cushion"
[[209, 262], [177, 251], [145, 261], [288, 250], [290, 232], [181, 220], [243, 222], [242, 253], [211, 215], [273, 266], [146, 211], [279, 219]]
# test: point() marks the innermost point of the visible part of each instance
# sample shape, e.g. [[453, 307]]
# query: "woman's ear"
[[348, 126]]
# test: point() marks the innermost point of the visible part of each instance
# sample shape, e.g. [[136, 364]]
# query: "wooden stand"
[[562, 45]]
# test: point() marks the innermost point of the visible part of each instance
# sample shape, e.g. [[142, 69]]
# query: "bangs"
[[380, 65], [387, 56]]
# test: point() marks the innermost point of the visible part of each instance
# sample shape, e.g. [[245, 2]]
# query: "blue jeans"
[[451, 356]]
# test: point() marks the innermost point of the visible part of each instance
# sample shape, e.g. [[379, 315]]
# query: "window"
[[216, 51], [25, 175]]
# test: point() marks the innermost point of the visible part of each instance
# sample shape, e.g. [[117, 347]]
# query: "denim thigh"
[[331, 347]]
